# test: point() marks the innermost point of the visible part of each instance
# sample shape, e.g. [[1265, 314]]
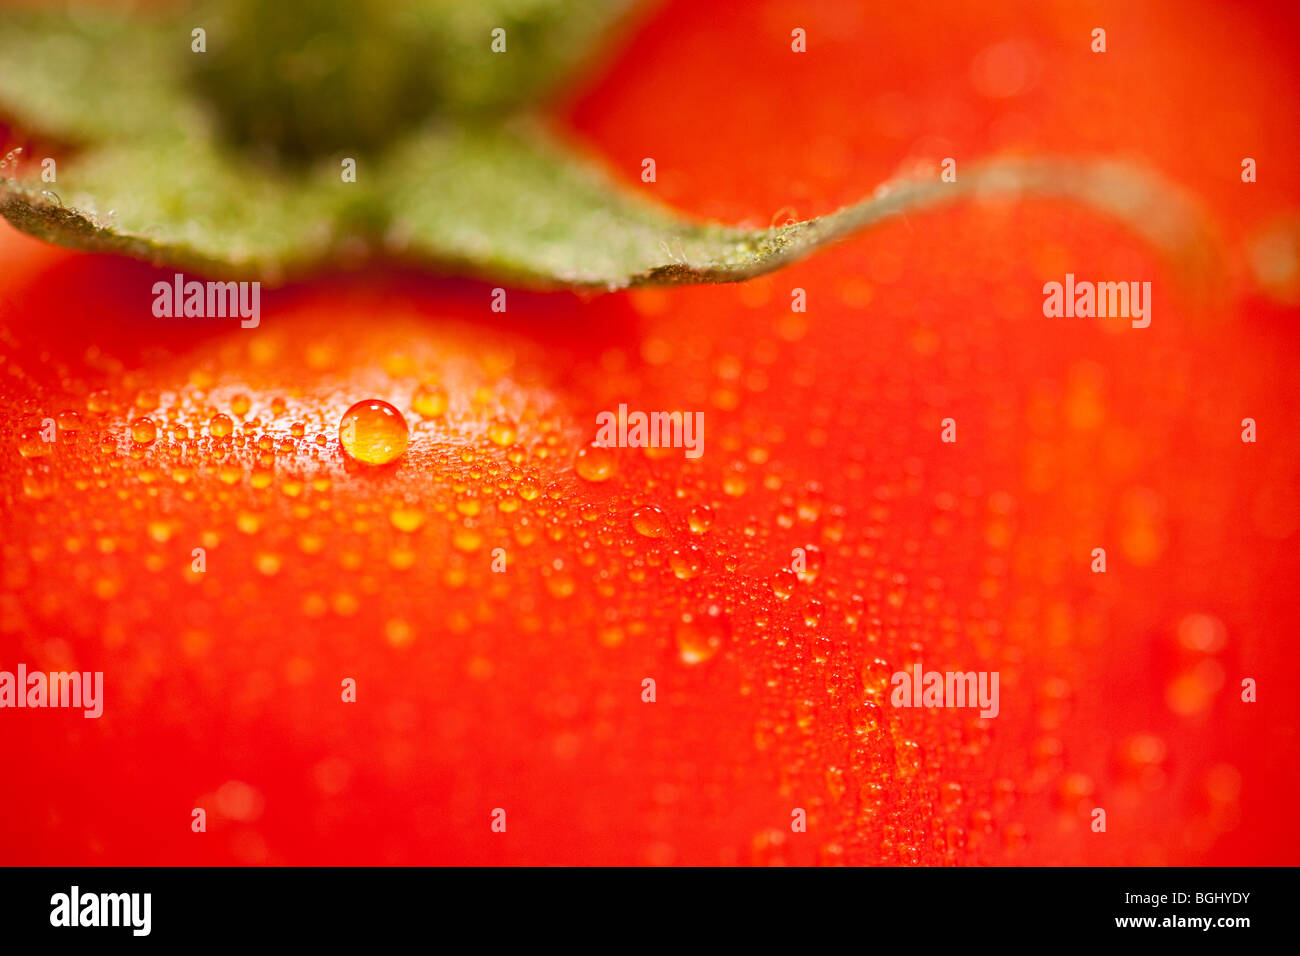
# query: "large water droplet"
[[373, 432], [595, 463]]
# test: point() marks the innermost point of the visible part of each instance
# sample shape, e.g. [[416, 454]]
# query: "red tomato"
[[522, 689]]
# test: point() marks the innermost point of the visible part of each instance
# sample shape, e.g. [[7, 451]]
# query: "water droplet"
[[467, 540], [835, 782], [561, 584], [687, 563], [876, 674], [783, 583], [700, 518], [99, 402], [1192, 692], [406, 518], [650, 522], [1142, 757], [32, 445], [812, 564], [240, 404], [812, 615], [700, 637], [502, 431], [398, 632], [143, 431], [596, 463], [1202, 632], [909, 757], [734, 484], [373, 432], [429, 401], [868, 718], [220, 425]]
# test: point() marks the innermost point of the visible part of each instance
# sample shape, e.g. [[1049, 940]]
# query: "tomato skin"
[[522, 689]]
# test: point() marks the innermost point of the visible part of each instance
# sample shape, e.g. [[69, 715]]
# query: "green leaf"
[[352, 75], [502, 202], [177, 205], [93, 76], [515, 202], [227, 162]]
